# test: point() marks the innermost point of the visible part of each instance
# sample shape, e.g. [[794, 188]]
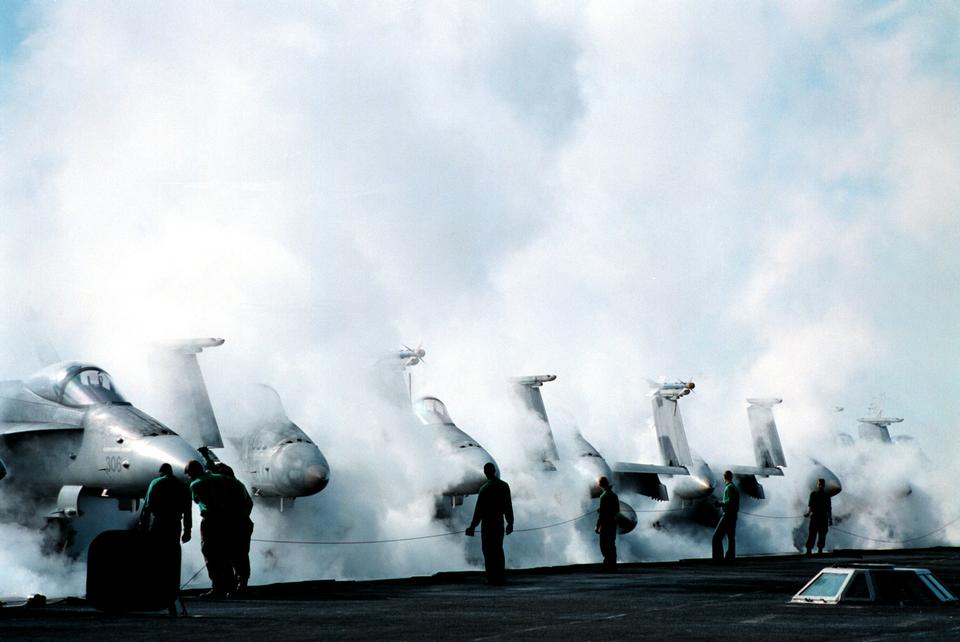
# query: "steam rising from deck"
[[593, 190]]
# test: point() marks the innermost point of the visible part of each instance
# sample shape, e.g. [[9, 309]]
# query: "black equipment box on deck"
[[132, 571]]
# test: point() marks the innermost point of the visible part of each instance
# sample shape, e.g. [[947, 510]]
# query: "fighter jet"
[[461, 452], [698, 491], [72, 445], [873, 427], [896, 504], [278, 461], [462, 455], [589, 462]]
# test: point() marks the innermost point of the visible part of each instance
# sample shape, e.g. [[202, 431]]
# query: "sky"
[[762, 197]]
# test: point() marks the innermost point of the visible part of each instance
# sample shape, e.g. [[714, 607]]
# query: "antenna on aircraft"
[[411, 357]]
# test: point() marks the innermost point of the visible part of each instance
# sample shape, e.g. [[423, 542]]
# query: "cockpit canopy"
[[75, 384], [431, 410]]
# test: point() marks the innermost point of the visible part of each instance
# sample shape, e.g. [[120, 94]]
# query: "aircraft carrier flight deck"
[[689, 599]]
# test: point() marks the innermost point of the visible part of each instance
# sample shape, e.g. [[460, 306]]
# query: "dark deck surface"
[[690, 599]]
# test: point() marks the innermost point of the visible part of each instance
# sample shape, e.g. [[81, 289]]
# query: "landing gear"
[[58, 536]]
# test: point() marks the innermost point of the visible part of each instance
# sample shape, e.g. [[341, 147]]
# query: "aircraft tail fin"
[[177, 371], [763, 430], [876, 429], [670, 432], [528, 389], [394, 377], [46, 352]]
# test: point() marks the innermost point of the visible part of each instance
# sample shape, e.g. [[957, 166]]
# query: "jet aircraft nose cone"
[[169, 449], [834, 487], [831, 481], [316, 478], [592, 469], [626, 518], [301, 470], [470, 461]]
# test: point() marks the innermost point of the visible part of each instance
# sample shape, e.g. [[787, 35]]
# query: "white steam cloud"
[[761, 199]]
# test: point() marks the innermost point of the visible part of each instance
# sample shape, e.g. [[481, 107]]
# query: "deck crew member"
[[607, 524], [493, 506], [727, 526], [820, 513]]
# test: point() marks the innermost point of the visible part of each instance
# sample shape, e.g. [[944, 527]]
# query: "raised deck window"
[[877, 583]]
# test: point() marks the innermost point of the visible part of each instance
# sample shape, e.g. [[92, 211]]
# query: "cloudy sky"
[[761, 196]]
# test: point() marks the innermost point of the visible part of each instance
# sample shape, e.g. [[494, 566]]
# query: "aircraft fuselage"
[[112, 446]]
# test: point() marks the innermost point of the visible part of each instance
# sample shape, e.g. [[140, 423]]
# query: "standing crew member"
[[607, 524], [727, 526], [168, 504], [493, 505], [820, 513], [239, 525], [165, 506], [208, 492]]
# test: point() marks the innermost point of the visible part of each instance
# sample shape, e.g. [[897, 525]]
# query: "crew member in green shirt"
[[209, 493], [727, 526], [165, 507]]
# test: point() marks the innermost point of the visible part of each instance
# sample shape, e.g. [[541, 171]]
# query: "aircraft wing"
[[746, 478], [756, 471], [644, 479]]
